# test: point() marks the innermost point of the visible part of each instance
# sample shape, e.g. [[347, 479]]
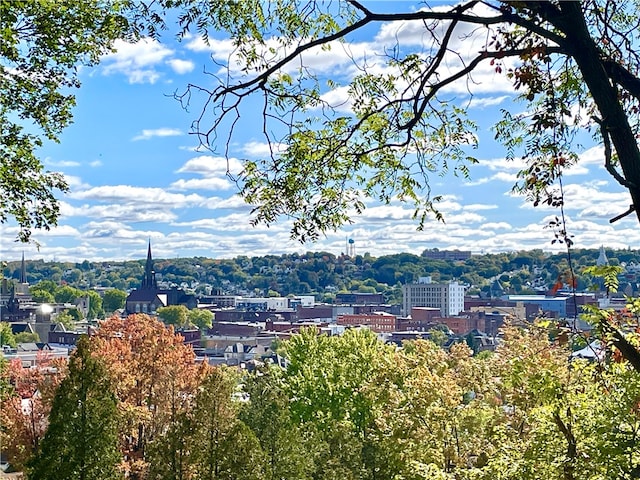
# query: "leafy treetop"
[[41, 46], [381, 133]]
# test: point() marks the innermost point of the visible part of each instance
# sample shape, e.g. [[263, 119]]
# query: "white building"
[[448, 297]]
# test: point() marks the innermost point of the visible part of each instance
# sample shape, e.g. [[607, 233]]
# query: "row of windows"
[[143, 308]]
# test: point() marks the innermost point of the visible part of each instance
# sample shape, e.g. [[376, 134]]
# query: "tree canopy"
[[81, 441], [42, 45], [337, 407], [384, 128]]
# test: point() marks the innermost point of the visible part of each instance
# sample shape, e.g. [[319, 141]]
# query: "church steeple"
[[149, 279], [602, 258], [23, 271]]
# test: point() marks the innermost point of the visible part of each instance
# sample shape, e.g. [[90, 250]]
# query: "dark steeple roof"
[[23, 271], [149, 279]]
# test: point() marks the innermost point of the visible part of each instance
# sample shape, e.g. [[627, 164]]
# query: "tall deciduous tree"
[[288, 452], [383, 130], [24, 411], [154, 374], [222, 447], [326, 381], [42, 44], [95, 304], [81, 441]]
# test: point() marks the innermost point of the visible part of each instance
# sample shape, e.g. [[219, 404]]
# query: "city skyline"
[[136, 174]]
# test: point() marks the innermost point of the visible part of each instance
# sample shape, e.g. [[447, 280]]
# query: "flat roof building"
[[448, 297]]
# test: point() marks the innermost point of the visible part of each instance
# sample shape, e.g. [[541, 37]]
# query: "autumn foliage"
[[24, 412], [346, 407], [155, 376]]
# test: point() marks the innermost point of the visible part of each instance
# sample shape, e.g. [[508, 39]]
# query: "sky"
[[137, 176]]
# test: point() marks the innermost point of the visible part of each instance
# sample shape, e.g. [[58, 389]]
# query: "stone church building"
[[148, 298]]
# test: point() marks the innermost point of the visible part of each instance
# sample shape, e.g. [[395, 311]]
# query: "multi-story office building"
[[379, 322], [448, 297]]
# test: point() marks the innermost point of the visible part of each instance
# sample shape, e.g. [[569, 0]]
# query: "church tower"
[[602, 258], [23, 271], [22, 288], [149, 279]]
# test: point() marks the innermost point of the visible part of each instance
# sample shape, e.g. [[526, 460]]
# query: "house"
[[239, 353], [34, 354]]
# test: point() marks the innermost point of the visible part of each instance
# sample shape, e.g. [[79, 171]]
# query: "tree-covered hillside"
[[323, 274]]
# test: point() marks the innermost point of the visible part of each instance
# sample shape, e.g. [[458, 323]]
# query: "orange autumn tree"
[[155, 377], [25, 410]]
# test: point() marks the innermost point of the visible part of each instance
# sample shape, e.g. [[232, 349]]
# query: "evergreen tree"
[[81, 440]]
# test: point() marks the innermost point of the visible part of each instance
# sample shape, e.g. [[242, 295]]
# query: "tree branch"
[[620, 75], [455, 15], [607, 154]]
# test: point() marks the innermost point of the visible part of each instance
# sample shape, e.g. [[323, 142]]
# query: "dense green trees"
[[42, 44], [200, 318], [175, 315], [113, 299], [339, 273], [81, 442], [47, 291], [347, 407]]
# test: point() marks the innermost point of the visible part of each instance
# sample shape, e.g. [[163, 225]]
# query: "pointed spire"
[[23, 271], [602, 258], [149, 279]]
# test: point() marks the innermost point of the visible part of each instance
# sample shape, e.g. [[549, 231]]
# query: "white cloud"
[[220, 48], [59, 231], [510, 178], [339, 99], [262, 149], [138, 196], [236, 223], [234, 202], [62, 164], [482, 102], [502, 164], [181, 66], [497, 226], [202, 184], [480, 206], [75, 183], [126, 213], [209, 166], [385, 213], [136, 60], [148, 134], [593, 156]]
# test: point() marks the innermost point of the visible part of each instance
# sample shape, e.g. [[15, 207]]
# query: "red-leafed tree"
[[25, 410], [154, 376]]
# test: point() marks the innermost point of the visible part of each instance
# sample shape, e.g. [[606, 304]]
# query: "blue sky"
[[136, 175]]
